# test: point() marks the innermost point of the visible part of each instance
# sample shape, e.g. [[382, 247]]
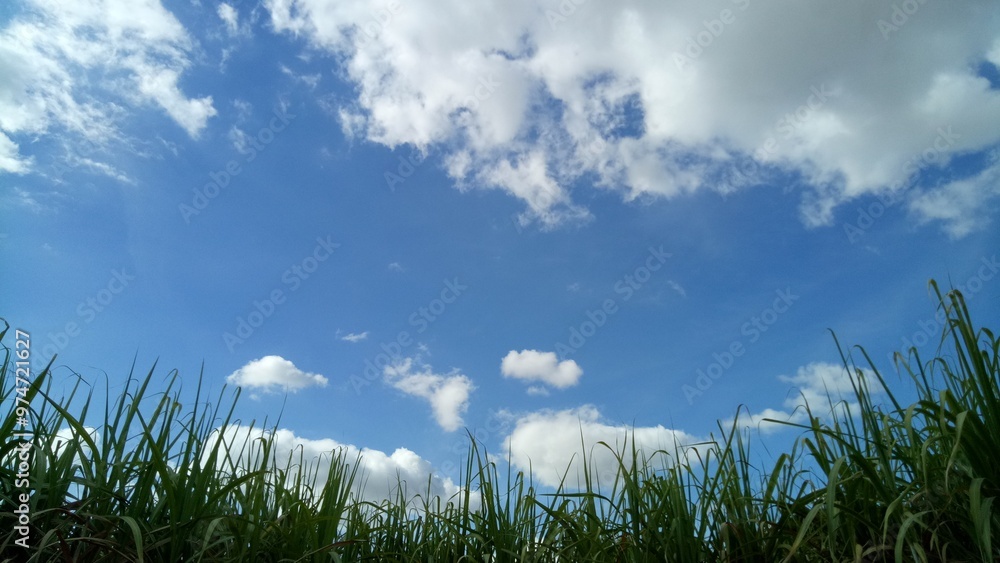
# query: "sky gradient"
[[542, 222]]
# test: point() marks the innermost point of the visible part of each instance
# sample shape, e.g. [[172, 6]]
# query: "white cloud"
[[552, 442], [310, 80], [48, 59], [239, 139], [272, 374], [231, 17], [447, 394], [65, 441], [529, 103], [677, 287], [963, 205], [823, 386], [354, 337], [529, 179], [23, 198], [545, 367], [160, 85], [538, 391], [10, 160], [95, 166], [395, 267], [70, 438], [379, 473]]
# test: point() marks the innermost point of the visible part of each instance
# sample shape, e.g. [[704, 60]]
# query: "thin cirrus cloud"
[[664, 99], [533, 366], [448, 394], [274, 374], [355, 337], [230, 17]]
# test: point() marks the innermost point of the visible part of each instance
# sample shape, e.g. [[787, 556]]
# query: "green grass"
[[155, 481]]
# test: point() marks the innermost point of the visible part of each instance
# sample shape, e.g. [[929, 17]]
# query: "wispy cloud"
[[538, 391], [677, 287], [230, 17], [823, 386], [139, 45], [354, 337]]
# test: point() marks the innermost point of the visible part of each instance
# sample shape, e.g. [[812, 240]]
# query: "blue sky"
[[392, 221]]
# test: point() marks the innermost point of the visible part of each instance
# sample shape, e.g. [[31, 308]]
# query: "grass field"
[[152, 481]]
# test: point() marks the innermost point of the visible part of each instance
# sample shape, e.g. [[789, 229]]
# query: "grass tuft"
[[872, 481]]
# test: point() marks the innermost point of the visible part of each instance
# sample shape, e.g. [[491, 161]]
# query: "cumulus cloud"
[[823, 386], [552, 442], [379, 474], [272, 374], [137, 46], [448, 394], [663, 98], [544, 367]]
